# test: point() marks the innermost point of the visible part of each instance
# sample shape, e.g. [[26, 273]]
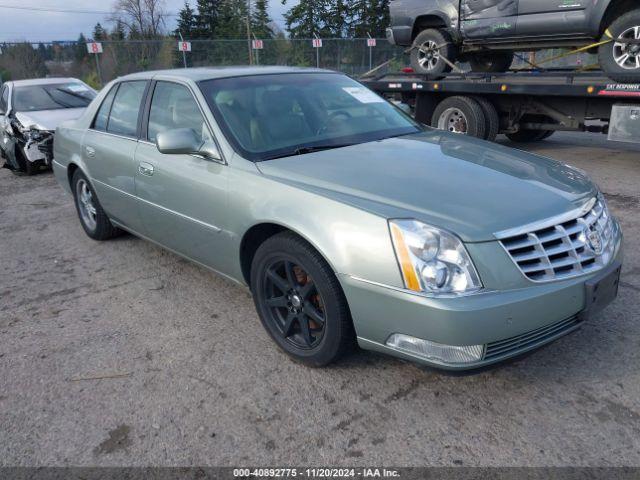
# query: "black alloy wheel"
[[300, 301]]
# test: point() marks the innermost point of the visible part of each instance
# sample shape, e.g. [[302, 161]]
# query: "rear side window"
[[123, 119], [100, 123]]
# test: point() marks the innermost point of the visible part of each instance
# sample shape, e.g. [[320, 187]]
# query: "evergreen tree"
[[307, 18], [207, 18], [232, 19], [81, 49], [118, 32], [370, 17], [99, 33], [260, 20], [186, 22], [339, 18]]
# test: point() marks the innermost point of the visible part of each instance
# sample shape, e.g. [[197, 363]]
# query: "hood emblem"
[[594, 240]]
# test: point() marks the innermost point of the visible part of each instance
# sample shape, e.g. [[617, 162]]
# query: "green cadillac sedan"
[[349, 221]]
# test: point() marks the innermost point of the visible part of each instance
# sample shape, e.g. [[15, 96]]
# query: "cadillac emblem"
[[594, 241]]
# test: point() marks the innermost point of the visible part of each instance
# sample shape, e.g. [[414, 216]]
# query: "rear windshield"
[[271, 116], [52, 97]]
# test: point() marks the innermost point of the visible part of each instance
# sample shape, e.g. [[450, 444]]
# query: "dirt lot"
[[192, 378]]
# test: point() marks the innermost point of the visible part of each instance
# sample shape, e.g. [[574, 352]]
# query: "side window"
[[125, 110], [172, 107], [4, 99], [100, 122]]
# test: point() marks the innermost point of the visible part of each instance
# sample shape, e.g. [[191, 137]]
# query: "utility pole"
[[249, 32], [184, 54]]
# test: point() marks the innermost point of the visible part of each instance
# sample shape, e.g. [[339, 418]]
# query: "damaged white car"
[[30, 112]]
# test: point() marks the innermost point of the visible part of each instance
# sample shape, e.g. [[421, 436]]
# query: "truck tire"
[[462, 115], [428, 49], [492, 120], [620, 61], [491, 62]]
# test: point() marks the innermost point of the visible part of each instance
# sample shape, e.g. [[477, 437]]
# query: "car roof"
[[210, 73], [42, 81]]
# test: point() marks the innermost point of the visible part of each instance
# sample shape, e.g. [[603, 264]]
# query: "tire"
[[308, 292], [492, 120], [629, 70], [528, 136], [491, 62], [101, 227], [460, 114], [426, 58]]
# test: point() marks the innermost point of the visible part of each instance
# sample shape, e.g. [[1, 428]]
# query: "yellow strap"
[[608, 33], [573, 52]]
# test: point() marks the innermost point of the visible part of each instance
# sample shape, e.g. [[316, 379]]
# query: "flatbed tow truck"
[[525, 105]]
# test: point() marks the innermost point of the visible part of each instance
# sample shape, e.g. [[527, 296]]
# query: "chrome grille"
[[567, 248], [530, 339]]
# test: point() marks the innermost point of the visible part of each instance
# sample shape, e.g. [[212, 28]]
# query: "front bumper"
[[524, 318]]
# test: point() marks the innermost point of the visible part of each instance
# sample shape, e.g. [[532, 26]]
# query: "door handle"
[[91, 152], [145, 169]]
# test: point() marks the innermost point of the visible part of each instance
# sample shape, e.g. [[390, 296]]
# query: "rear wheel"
[[491, 62], [492, 120], [621, 60], [429, 48], [299, 301], [461, 115], [93, 219]]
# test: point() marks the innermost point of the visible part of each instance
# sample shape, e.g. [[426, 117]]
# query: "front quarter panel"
[[354, 242]]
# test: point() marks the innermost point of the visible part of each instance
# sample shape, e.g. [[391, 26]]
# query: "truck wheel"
[[491, 62], [460, 115], [428, 49], [619, 60], [492, 120]]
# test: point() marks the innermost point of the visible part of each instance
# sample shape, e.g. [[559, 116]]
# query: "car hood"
[[48, 120], [468, 186]]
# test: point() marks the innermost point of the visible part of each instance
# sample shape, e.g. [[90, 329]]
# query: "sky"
[[40, 26]]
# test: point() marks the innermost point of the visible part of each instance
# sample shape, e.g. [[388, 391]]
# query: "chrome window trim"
[[115, 135], [168, 210]]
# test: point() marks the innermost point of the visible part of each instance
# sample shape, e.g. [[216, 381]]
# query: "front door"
[[182, 198], [109, 150], [542, 18], [488, 19]]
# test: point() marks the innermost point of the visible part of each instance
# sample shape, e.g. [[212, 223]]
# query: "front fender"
[[354, 242]]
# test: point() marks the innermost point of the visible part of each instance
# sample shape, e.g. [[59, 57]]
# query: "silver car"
[[345, 217], [30, 112]]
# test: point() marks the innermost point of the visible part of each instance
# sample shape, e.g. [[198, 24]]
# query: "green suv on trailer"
[[487, 32]]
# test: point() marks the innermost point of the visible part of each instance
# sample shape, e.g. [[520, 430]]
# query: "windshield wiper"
[[308, 149], [74, 94]]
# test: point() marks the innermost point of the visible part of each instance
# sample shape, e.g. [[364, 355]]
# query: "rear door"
[[542, 18], [488, 18], [109, 149], [183, 198]]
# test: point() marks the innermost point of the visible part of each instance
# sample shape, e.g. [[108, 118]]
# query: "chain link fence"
[[351, 56]]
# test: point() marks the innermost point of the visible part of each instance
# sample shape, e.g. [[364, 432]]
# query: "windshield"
[[52, 97], [271, 116]]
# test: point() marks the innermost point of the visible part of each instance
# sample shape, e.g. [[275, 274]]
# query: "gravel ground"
[[120, 353]]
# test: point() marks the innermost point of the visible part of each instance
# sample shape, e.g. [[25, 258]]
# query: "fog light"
[[436, 352]]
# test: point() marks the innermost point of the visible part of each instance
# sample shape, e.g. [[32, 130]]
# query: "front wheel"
[[491, 62], [429, 49], [619, 59], [299, 301]]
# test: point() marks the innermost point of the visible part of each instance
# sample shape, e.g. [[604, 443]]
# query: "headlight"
[[433, 260]]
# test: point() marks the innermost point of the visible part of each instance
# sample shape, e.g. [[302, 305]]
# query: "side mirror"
[[183, 141]]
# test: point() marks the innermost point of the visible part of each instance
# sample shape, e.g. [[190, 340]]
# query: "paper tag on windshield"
[[363, 95], [77, 88]]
